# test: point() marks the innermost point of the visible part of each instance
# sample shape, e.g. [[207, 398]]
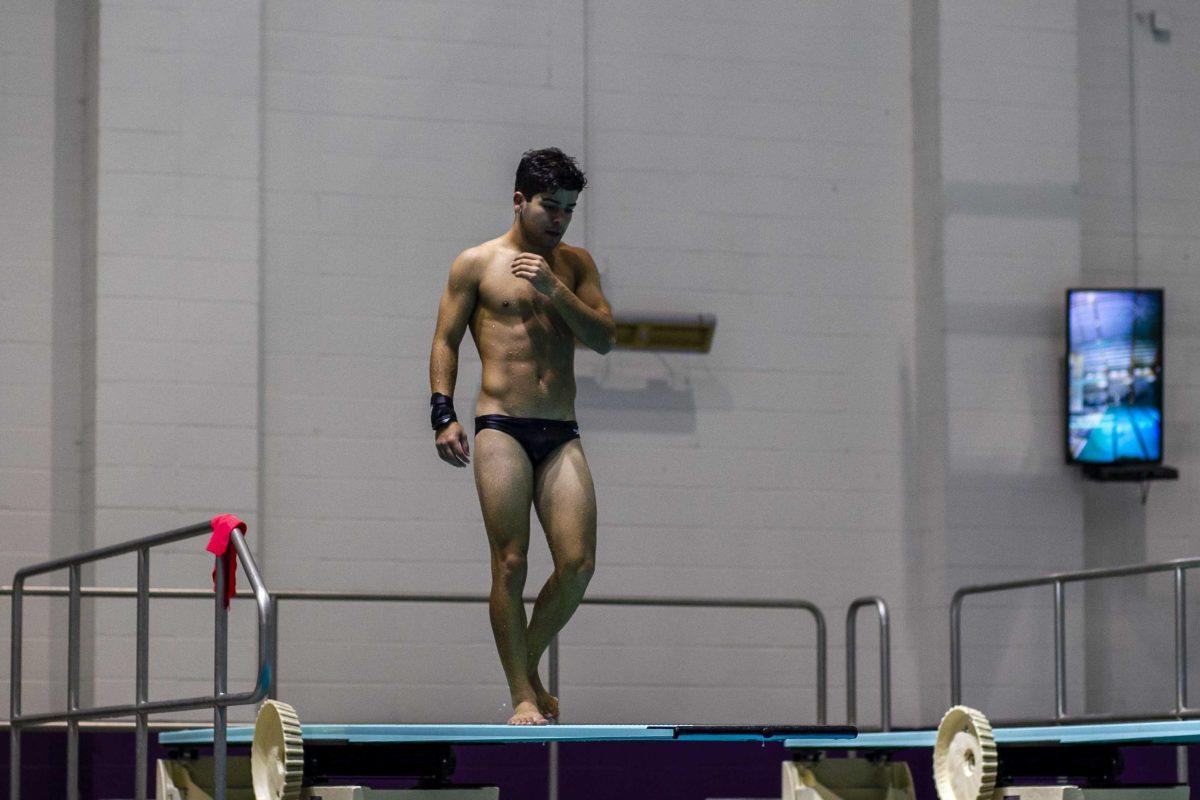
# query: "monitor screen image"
[[1114, 375]]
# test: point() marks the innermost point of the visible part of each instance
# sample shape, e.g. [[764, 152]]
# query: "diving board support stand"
[[973, 761]]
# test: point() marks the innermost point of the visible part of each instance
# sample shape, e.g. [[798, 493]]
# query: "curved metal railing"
[[659, 602], [271, 643], [142, 707], [1058, 581], [384, 597], [885, 661]]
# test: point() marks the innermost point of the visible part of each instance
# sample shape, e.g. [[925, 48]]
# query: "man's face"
[[545, 216]]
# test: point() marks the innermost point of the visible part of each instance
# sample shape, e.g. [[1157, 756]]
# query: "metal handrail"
[[661, 602], [553, 666], [386, 597], [1058, 581], [885, 661], [142, 707], [392, 597]]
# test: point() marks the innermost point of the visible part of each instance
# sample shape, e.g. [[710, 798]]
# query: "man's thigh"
[[565, 500], [504, 481]]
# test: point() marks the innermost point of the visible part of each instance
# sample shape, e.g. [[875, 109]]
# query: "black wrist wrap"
[[441, 411]]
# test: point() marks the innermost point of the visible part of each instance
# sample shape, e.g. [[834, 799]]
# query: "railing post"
[[553, 767], [956, 649], [273, 645], [142, 674], [1180, 641], [220, 674], [73, 646], [885, 661], [851, 664], [14, 694], [266, 605], [552, 666], [885, 666], [1060, 651], [822, 659], [273, 650]]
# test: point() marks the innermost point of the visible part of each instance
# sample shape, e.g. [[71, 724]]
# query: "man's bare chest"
[[502, 294]]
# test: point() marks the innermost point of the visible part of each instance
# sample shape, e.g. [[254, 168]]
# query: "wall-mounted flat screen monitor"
[[1114, 376]]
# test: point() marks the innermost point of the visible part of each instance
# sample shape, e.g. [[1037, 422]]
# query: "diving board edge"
[[483, 734], [1130, 733]]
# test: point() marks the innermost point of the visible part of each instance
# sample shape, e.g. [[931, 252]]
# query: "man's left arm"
[[585, 310]]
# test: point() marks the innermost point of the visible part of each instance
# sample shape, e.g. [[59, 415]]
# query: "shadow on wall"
[[666, 409]]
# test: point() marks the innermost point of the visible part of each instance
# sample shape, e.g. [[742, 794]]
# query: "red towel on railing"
[[218, 544]]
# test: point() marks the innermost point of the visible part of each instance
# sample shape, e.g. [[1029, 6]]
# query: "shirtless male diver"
[[526, 297]]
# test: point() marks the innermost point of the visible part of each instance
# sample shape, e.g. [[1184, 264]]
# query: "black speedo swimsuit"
[[538, 437]]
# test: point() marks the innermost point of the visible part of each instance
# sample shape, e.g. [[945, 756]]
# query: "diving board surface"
[[514, 734], [1156, 732]]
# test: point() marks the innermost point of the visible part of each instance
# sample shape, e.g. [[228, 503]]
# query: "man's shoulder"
[[484, 252], [471, 262], [577, 256], [472, 255]]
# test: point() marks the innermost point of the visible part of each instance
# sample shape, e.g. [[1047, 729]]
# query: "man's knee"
[[509, 568], [577, 569]]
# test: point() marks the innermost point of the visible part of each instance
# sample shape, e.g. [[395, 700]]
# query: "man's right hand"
[[452, 445]]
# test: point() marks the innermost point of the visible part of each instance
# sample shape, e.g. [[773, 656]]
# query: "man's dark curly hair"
[[548, 170]]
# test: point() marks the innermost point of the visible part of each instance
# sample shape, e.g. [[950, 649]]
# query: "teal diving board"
[[484, 734], [1150, 732]]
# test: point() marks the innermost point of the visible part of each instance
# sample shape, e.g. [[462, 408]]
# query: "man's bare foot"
[[526, 713], [548, 705], [546, 702]]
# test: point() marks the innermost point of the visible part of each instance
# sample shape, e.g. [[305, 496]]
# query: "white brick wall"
[[1129, 622], [392, 134], [27, 318], [392, 139], [990, 272], [753, 167], [879, 415], [177, 253]]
